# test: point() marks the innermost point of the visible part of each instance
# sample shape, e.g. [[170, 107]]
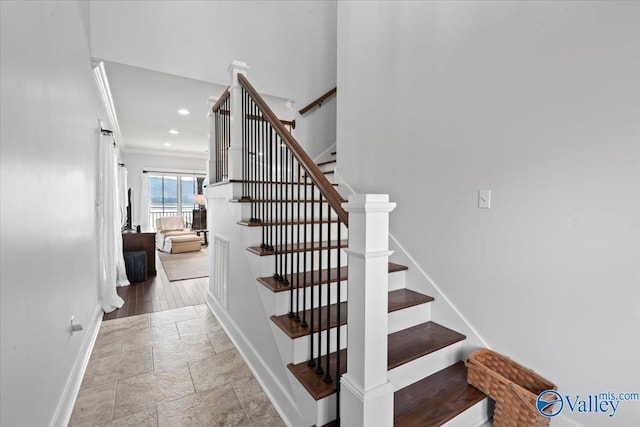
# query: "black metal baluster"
[[245, 145], [290, 230], [303, 322], [319, 369], [327, 373], [262, 157], [312, 361], [271, 193], [297, 319], [254, 136], [338, 329], [277, 239]]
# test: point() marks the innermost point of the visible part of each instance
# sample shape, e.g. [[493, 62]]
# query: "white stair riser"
[[311, 256], [397, 280], [314, 412], [475, 416], [313, 210], [291, 232], [328, 167], [275, 188], [298, 350], [277, 303], [408, 317], [424, 366]]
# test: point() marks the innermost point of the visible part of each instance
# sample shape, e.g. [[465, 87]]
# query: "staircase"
[[290, 205]]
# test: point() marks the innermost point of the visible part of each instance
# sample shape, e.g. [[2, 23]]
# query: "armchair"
[[173, 236]]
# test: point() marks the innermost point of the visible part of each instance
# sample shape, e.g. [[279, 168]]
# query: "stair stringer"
[[244, 319]]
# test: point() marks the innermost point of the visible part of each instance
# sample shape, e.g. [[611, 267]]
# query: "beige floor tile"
[[220, 341], [144, 391], [150, 337], [125, 324], [270, 421], [256, 404], [175, 315], [203, 310], [148, 418], [220, 369], [110, 342], [217, 407], [114, 366], [198, 326], [170, 354], [94, 405]]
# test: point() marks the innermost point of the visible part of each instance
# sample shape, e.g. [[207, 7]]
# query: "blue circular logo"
[[546, 401]]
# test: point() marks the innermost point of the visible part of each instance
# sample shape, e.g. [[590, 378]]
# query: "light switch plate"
[[484, 199]]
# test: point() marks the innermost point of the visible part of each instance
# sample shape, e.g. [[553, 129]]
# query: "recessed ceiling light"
[[173, 132], [166, 144], [184, 112]]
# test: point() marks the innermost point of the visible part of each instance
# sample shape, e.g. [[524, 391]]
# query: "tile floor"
[[169, 368]]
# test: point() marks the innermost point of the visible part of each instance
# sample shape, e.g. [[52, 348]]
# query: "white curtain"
[[122, 194], [112, 271], [143, 203]]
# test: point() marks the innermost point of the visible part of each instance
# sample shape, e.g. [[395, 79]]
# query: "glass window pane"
[[189, 190]]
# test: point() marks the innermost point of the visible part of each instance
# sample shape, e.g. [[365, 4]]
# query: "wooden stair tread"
[[325, 173], [291, 222], [399, 299], [278, 201], [298, 279], [405, 298], [302, 247], [313, 382], [333, 153], [417, 341], [294, 330], [328, 162], [436, 399], [428, 336], [247, 181]]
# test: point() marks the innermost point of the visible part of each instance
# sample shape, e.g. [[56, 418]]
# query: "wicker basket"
[[514, 388]]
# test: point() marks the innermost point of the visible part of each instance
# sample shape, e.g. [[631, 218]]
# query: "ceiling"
[[147, 102]]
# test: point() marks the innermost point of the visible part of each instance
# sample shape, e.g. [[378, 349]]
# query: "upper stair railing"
[[301, 215], [221, 137], [318, 101]]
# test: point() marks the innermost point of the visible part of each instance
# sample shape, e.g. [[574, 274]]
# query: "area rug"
[[188, 265]]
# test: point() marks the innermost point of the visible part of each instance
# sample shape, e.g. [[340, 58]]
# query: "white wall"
[[290, 47], [137, 162], [49, 249], [540, 103]]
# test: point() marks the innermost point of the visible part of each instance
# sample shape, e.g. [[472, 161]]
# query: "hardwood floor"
[[158, 294]]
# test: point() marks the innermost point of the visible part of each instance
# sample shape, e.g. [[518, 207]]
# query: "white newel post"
[[211, 164], [366, 394], [235, 151]]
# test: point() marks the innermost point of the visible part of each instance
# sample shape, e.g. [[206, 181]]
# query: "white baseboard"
[[281, 399], [67, 401]]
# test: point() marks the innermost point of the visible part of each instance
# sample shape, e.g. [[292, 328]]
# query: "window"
[[172, 194]]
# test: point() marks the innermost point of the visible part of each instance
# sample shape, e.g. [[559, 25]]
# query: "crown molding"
[[166, 153], [100, 75]]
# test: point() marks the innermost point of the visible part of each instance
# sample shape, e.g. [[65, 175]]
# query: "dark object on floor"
[[136, 265]]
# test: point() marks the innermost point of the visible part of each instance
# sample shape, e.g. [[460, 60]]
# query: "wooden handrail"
[[220, 100], [318, 102], [321, 181], [291, 123]]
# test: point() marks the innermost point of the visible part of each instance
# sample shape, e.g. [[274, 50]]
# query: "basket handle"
[[518, 394]]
